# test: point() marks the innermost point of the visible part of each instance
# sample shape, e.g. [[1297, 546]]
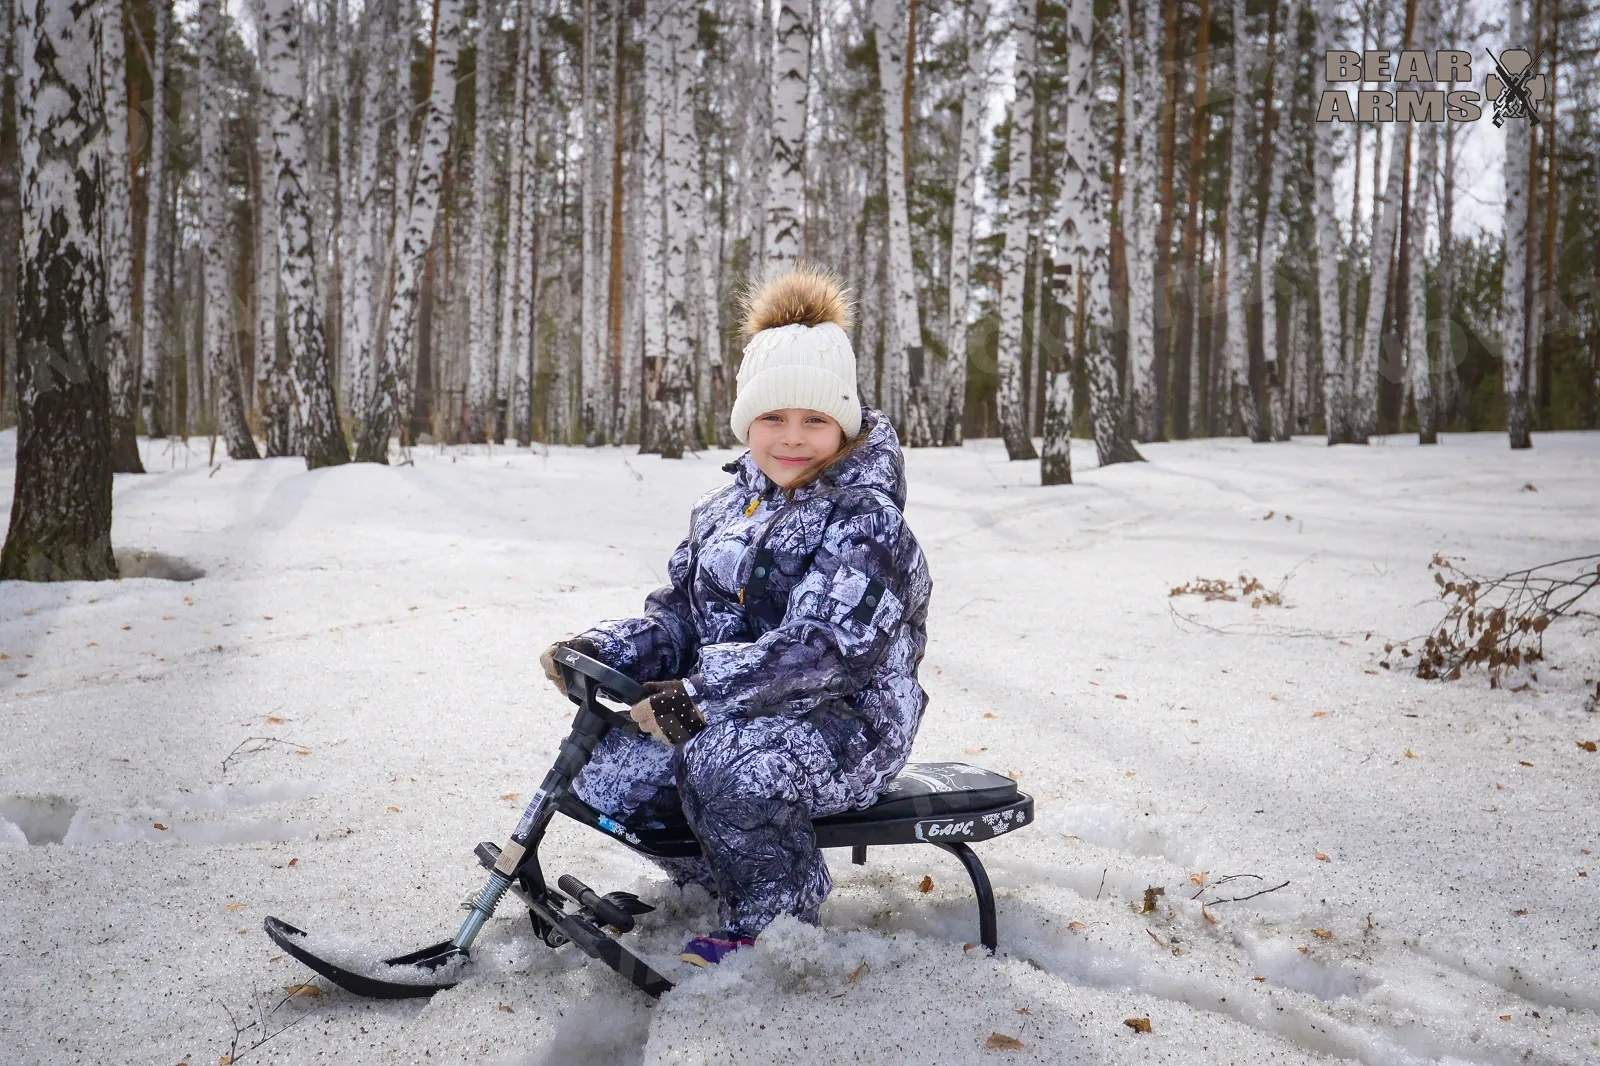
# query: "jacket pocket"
[[856, 601]]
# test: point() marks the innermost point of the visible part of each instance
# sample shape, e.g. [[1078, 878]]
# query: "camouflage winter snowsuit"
[[798, 627]]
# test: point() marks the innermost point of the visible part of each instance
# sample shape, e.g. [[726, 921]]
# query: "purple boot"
[[707, 950]]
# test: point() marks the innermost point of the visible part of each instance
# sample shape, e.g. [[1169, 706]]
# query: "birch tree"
[[974, 96], [60, 524], [1513, 311], [1073, 228], [518, 207], [217, 244], [1279, 364], [116, 239], [598, 48], [1140, 208], [391, 398], [1335, 379], [1238, 335], [652, 208], [906, 361], [1427, 39], [1014, 260], [678, 148], [791, 77], [480, 298], [1384, 231], [153, 310], [363, 215], [523, 282]]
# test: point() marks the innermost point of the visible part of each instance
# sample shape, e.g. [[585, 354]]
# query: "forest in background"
[[324, 224]]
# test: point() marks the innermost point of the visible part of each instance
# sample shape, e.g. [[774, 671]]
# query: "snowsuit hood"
[[812, 607]]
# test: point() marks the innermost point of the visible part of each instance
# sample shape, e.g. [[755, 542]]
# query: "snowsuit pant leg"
[[631, 778], [750, 789]]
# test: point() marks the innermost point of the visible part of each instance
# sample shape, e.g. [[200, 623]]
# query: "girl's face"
[[786, 443]]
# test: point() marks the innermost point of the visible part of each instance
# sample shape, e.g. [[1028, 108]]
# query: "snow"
[[361, 650]]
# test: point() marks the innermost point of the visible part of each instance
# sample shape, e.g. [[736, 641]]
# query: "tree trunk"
[[10, 208], [153, 306], [60, 526], [1513, 285], [1014, 259], [653, 281], [974, 95], [1426, 37], [221, 354], [1109, 413], [1335, 381], [906, 352], [518, 206], [597, 59], [1237, 344], [517, 361], [678, 150], [1073, 230], [480, 291], [1189, 294], [1280, 76], [116, 240], [1139, 212], [791, 76], [391, 400], [1365, 416]]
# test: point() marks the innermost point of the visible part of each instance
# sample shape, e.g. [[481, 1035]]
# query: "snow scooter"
[[947, 805]]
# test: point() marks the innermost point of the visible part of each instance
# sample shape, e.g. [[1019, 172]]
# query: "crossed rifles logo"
[[1514, 86]]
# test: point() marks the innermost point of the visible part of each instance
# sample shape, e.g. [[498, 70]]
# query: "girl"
[[781, 662]]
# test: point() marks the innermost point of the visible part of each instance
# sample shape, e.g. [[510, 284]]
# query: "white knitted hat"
[[799, 354]]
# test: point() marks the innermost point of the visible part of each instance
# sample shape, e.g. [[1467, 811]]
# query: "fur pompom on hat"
[[798, 354]]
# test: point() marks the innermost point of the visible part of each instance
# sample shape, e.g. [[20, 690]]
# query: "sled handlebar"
[[587, 679]]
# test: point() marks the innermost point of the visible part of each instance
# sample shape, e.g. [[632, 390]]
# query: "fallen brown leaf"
[[167, 617], [1319, 714], [976, 751], [1207, 915], [506, 1008], [1258, 978], [1588, 745], [274, 719], [1075, 925], [308, 991], [161, 827], [509, 795], [1320, 857], [1302, 949], [235, 906], [1120, 696], [1150, 895], [1524, 762], [1002, 1042], [857, 973], [225, 1060], [1022, 1010], [927, 883], [1199, 878], [302, 751], [1520, 913], [394, 810], [1412, 755], [294, 862], [990, 714], [1138, 1025], [1325, 934], [1505, 1017], [968, 946]]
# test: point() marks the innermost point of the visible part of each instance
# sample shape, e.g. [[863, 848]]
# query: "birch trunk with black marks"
[[1140, 208], [599, 36], [221, 353], [1072, 229], [116, 240], [652, 209], [504, 344], [1421, 378], [154, 340], [1513, 331], [1384, 229], [1014, 259], [678, 143], [391, 398], [1237, 343], [480, 295], [363, 216], [1281, 74], [525, 145], [1335, 374], [791, 76], [904, 360], [60, 524], [974, 95]]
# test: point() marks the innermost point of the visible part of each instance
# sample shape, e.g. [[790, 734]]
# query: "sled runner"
[[947, 805]]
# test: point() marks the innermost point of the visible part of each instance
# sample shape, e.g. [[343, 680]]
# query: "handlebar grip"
[[614, 682], [608, 913]]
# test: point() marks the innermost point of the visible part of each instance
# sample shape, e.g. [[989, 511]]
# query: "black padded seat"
[[928, 789]]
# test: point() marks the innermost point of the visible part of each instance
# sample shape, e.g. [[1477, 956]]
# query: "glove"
[[548, 659], [667, 713]]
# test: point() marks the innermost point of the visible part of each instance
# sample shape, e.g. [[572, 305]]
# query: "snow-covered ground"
[[325, 724]]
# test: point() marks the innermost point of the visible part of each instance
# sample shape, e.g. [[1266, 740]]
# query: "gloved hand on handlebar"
[[667, 713], [548, 659]]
